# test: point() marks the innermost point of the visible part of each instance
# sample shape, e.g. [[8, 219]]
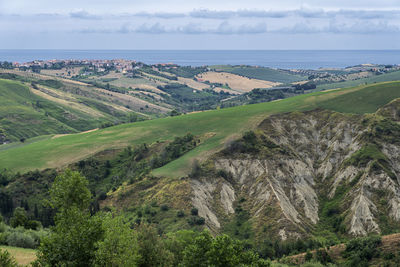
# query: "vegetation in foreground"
[[80, 238]]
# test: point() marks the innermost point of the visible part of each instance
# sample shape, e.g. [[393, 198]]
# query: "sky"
[[205, 24]]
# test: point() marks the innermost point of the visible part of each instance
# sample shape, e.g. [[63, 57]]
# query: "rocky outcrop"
[[295, 166]]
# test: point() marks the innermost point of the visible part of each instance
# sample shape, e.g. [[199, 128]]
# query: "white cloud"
[[224, 28]]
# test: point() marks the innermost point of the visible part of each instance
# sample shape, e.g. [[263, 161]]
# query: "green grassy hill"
[[32, 107], [367, 100], [20, 115], [216, 128], [392, 76]]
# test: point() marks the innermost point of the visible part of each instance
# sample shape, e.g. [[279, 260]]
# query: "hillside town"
[[100, 65]]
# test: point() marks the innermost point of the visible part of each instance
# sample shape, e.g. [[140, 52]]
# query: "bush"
[[308, 256], [164, 207], [322, 256], [22, 240], [194, 220], [180, 214], [194, 211], [361, 250]]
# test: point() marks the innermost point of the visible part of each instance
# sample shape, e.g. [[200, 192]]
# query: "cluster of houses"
[[121, 65]]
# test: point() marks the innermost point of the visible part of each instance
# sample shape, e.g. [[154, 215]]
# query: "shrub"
[[194, 211], [164, 207], [308, 256], [361, 250], [22, 240], [180, 214], [322, 256], [200, 221], [194, 220]]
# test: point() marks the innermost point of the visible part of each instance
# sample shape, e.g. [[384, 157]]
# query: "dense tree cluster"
[[103, 239]]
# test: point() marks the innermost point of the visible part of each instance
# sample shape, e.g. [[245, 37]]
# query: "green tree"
[[70, 190], [195, 254], [221, 251], [177, 242], [73, 238], [152, 248], [120, 245], [19, 218]]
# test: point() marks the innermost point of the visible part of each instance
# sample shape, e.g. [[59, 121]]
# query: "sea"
[[283, 59]]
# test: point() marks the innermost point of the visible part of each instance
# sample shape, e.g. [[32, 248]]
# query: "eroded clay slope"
[[297, 169]]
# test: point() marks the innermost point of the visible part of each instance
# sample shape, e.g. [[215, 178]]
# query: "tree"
[[152, 249], [73, 238], [220, 251], [19, 218], [70, 190], [120, 245], [178, 241]]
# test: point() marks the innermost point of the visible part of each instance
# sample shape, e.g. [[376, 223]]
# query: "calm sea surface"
[[291, 59]]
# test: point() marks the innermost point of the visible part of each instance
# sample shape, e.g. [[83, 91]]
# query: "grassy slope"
[[262, 74], [219, 125], [27, 112], [19, 118], [393, 76], [364, 101]]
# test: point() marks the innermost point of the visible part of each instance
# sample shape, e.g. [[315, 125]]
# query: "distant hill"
[[218, 125]]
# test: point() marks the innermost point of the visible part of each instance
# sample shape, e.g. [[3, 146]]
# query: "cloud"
[[226, 28], [156, 28], [369, 14], [362, 28], [262, 13], [302, 12], [223, 28], [341, 28], [311, 13], [212, 14], [83, 15], [163, 15], [299, 28], [306, 13]]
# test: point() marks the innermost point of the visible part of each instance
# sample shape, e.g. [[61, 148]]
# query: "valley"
[[267, 169]]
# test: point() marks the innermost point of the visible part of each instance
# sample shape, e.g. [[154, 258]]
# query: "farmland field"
[[392, 76], [262, 73], [235, 82]]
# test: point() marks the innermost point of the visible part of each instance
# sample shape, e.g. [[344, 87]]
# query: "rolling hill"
[[323, 165], [217, 127], [32, 110]]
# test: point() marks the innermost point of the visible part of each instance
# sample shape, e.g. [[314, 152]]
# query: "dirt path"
[[60, 135]]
